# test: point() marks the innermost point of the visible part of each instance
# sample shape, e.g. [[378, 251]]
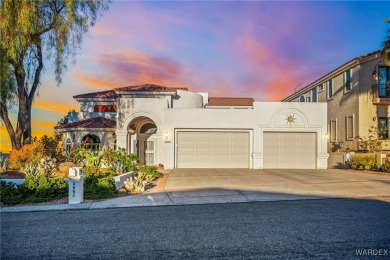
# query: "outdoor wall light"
[[166, 135], [327, 136]]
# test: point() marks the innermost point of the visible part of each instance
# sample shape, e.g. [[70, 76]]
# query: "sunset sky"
[[256, 49]]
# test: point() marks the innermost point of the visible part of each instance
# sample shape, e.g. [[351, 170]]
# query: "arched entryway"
[[142, 140]]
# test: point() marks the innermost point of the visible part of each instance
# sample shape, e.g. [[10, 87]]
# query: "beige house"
[[357, 94], [183, 129]]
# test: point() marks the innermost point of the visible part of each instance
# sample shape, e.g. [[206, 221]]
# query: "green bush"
[[366, 162], [10, 193], [33, 190], [98, 187], [119, 161], [148, 173]]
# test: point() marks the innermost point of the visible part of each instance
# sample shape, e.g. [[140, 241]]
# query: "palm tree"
[[386, 45]]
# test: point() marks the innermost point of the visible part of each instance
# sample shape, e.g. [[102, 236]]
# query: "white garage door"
[[289, 150], [212, 150]]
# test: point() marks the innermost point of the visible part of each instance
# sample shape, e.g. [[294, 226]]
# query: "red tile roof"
[[96, 122], [108, 94], [111, 94], [230, 101], [148, 88]]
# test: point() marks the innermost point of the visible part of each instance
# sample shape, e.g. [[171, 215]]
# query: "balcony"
[[381, 94], [78, 116]]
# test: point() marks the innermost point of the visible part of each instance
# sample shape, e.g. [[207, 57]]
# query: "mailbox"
[[76, 185], [76, 172]]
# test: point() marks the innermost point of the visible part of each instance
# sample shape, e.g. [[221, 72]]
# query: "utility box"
[[76, 185]]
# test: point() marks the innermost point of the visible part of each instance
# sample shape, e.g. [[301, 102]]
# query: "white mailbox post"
[[76, 185]]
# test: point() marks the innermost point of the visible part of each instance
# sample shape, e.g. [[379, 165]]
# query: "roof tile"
[[96, 122], [108, 94], [148, 88], [230, 101]]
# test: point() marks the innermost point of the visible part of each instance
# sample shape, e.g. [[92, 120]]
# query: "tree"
[[28, 31], [386, 45]]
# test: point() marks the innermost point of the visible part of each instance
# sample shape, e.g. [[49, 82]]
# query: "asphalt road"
[[333, 228]]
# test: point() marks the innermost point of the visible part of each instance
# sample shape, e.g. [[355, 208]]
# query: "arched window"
[[302, 99], [91, 142], [68, 144]]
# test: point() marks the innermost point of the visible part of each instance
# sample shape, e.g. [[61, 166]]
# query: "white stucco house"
[[182, 129]]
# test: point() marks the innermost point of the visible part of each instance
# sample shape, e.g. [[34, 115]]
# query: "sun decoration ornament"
[[290, 119]]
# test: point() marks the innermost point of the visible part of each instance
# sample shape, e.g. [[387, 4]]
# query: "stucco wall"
[[265, 116], [186, 99]]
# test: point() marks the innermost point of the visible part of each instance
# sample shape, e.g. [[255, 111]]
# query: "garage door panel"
[[289, 150], [213, 149]]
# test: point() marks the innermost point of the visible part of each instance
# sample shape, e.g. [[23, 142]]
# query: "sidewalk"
[[186, 188]]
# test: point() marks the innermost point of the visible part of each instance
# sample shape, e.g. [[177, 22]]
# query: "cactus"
[[93, 162], [118, 167], [3, 163], [31, 170], [134, 184]]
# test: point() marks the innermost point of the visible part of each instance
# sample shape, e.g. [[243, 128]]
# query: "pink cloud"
[[135, 67]]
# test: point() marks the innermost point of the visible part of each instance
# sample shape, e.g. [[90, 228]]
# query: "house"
[[357, 94], [183, 129]]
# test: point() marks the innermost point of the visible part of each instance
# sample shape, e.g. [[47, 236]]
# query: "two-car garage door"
[[212, 149], [289, 150], [218, 149]]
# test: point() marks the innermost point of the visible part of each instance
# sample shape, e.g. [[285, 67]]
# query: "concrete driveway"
[[185, 186]]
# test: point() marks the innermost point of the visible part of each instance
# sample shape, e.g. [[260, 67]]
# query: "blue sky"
[[259, 49]]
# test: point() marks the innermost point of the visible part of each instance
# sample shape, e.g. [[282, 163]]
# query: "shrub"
[[73, 155], [92, 162], [10, 193], [366, 162], [51, 146], [28, 154], [98, 187], [47, 165], [148, 173], [33, 190], [119, 161]]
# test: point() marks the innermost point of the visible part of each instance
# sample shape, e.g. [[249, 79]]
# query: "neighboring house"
[[357, 95], [182, 129]]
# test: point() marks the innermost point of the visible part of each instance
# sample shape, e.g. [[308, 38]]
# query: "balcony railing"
[[381, 93]]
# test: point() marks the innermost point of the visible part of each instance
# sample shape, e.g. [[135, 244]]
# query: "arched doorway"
[[142, 140]]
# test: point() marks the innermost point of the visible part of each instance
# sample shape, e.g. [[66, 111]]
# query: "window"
[[314, 95], [348, 80], [68, 144], [307, 99], [330, 89], [349, 127], [149, 152], [104, 108], [333, 130], [383, 128], [321, 87], [384, 81], [91, 142], [302, 99]]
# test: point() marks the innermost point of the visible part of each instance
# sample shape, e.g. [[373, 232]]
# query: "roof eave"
[[121, 92], [95, 99], [84, 129]]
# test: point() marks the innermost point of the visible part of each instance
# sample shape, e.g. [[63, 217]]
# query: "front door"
[[145, 149]]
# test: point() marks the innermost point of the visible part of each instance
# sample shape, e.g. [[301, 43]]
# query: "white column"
[[121, 139]]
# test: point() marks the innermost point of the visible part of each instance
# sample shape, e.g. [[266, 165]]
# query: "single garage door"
[[289, 150], [212, 149]]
